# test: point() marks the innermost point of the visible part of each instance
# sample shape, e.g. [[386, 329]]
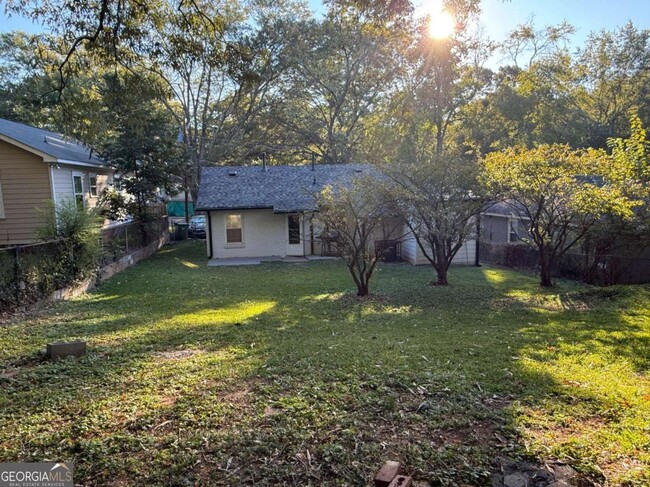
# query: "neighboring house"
[[503, 222], [37, 166], [264, 211]]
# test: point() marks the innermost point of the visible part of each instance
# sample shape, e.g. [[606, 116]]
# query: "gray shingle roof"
[[505, 208], [57, 146], [285, 189]]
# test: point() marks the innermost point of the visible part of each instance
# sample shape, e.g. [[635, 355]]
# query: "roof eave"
[[10, 140], [80, 163], [49, 157], [235, 208], [232, 208]]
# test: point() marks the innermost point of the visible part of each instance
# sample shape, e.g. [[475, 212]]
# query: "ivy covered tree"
[[561, 192]]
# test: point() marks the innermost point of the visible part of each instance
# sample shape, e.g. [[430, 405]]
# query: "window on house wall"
[[514, 235], [77, 183], [234, 233], [2, 203], [93, 185], [118, 184]]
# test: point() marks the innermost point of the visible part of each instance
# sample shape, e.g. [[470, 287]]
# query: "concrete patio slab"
[[258, 260], [229, 262]]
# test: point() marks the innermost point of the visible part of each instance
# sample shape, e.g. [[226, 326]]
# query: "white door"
[[294, 234]]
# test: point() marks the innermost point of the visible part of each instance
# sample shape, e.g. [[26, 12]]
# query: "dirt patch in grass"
[[178, 354]]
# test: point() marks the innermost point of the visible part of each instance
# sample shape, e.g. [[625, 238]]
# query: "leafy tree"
[[29, 87], [218, 66], [440, 78], [103, 26], [438, 202], [531, 99], [431, 178], [613, 70], [562, 192], [143, 144], [339, 68], [614, 234], [358, 217]]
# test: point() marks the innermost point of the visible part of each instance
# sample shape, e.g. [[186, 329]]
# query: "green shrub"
[[78, 231]]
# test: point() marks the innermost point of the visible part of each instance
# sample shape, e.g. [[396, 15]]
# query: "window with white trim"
[[77, 187], [2, 203], [93, 185], [513, 233], [234, 229]]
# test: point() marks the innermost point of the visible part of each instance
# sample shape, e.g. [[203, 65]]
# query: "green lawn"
[[276, 374]]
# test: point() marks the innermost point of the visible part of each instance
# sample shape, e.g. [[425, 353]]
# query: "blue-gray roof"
[[506, 208], [284, 189], [57, 146]]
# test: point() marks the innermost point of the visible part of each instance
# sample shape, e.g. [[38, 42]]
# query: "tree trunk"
[[187, 200], [362, 289], [442, 278], [545, 268]]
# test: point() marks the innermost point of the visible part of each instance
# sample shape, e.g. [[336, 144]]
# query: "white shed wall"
[[412, 253]]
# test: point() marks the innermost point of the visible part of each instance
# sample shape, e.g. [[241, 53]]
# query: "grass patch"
[[272, 375]]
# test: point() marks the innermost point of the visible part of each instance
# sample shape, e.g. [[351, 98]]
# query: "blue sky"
[[586, 16], [499, 16]]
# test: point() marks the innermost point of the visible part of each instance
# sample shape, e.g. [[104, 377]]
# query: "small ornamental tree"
[[438, 203], [360, 223], [562, 192]]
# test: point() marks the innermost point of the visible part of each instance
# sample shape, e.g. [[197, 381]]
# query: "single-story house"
[[37, 166], [503, 222], [270, 211]]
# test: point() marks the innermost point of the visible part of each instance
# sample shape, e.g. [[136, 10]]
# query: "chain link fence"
[[32, 272], [605, 270]]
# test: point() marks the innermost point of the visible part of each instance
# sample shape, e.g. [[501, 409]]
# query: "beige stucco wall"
[[265, 234], [25, 184]]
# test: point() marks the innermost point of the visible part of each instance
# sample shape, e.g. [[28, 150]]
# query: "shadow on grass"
[[271, 375]]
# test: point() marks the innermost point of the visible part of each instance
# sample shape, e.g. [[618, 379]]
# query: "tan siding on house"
[[25, 186]]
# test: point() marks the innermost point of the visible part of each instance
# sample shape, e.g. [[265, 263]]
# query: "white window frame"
[[2, 204], [241, 226], [74, 189], [92, 176], [512, 230], [300, 230]]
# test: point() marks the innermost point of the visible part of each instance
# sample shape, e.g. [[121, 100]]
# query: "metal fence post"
[[16, 274]]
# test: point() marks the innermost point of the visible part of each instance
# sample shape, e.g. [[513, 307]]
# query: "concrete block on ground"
[[401, 481], [387, 473], [66, 349]]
